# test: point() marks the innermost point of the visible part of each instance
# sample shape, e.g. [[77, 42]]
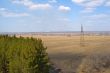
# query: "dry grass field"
[[66, 53]]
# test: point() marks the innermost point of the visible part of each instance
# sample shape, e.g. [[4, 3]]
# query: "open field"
[[66, 53], [65, 44]]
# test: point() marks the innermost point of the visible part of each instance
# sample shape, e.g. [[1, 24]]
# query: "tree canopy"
[[23, 55]]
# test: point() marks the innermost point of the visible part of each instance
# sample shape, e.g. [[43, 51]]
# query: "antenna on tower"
[[82, 36]]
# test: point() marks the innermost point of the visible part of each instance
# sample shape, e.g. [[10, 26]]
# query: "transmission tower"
[[82, 36]]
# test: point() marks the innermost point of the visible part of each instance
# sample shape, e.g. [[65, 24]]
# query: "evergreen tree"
[[23, 55], [40, 60]]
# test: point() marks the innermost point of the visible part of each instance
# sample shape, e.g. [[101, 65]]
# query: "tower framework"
[[82, 36]]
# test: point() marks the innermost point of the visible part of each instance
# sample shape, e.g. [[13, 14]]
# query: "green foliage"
[[23, 55]]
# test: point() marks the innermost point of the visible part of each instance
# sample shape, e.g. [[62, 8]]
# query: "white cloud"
[[2, 9], [52, 1], [32, 5], [96, 19], [88, 10], [94, 3], [64, 8], [64, 19], [40, 6], [6, 13], [78, 1], [98, 16], [89, 5], [107, 3]]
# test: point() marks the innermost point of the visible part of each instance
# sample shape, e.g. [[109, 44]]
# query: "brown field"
[[71, 45], [67, 53]]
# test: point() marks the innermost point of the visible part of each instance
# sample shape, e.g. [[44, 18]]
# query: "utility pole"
[[82, 36]]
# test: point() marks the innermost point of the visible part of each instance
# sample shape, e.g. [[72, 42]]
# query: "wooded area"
[[23, 55]]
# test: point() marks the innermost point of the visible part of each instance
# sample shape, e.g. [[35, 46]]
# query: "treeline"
[[23, 55]]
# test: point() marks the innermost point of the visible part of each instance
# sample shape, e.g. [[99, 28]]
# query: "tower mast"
[[82, 36]]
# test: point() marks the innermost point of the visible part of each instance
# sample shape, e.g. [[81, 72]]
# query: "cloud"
[[98, 16], [89, 5], [40, 6], [88, 10], [107, 3], [31, 5], [96, 19], [52, 1], [6, 13], [64, 8], [78, 1], [64, 19]]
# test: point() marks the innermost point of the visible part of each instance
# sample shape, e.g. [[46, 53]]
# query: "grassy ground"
[[67, 53]]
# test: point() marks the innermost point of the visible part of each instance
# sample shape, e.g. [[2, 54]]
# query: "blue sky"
[[54, 15]]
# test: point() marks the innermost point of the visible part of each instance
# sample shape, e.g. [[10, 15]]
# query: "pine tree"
[[23, 55], [40, 62]]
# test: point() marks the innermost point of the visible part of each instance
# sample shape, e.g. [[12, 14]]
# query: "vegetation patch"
[[97, 63], [23, 55]]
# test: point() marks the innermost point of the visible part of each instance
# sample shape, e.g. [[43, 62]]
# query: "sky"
[[54, 15]]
